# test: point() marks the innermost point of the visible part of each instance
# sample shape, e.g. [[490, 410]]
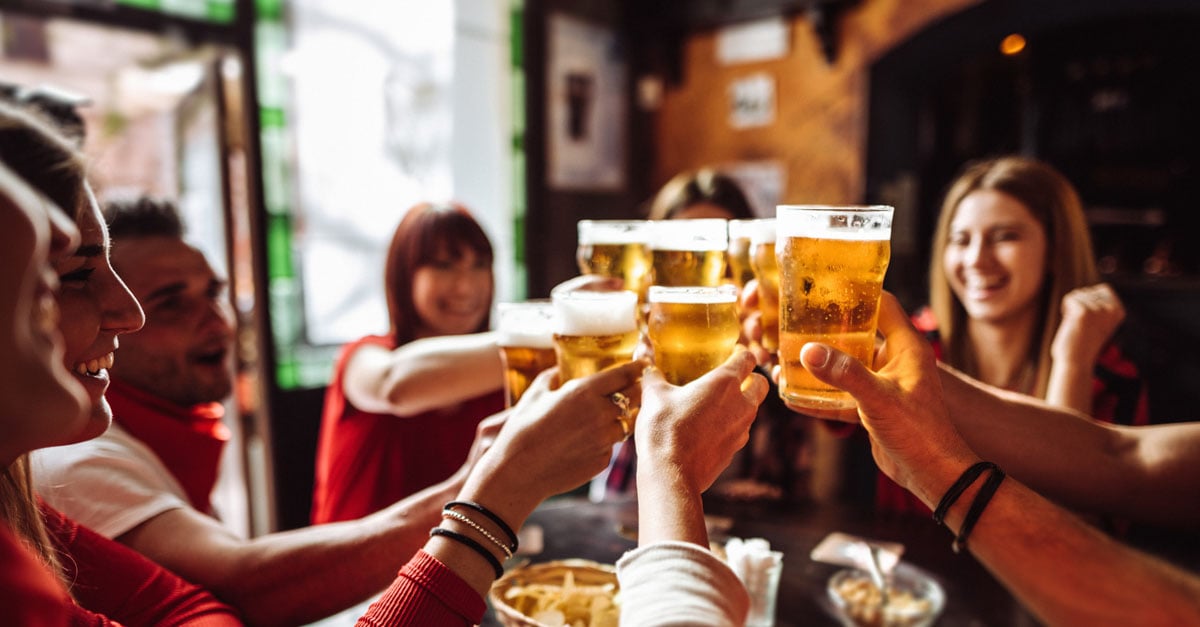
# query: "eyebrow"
[[169, 289], [89, 250]]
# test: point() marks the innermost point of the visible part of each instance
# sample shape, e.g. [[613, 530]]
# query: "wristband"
[[492, 517], [466, 520], [981, 500], [469, 543], [964, 481]]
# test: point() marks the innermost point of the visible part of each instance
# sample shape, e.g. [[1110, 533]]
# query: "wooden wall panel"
[[820, 128]]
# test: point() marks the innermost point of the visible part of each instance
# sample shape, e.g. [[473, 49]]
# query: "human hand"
[[1090, 316], [900, 404], [554, 440], [693, 431], [752, 331], [590, 282]]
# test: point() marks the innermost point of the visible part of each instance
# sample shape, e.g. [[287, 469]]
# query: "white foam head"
[[583, 312], [762, 231], [529, 324], [613, 232], [859, 223], [704, 234], [700, 295]]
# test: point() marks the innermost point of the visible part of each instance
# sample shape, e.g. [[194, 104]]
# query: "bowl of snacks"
[[564, 593], [914, 598]]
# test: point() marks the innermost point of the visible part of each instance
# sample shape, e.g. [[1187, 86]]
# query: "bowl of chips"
[[915, 599], [564, 593]]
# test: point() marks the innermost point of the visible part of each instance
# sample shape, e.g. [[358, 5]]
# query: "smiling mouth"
[[211, 359], [92, 367]]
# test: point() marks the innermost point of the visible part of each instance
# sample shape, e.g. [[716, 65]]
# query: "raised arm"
[[1090, 316], [1063, 570], [423, 374], [1080, 462]]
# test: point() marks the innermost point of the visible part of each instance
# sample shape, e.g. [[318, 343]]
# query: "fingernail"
[[815, 355]]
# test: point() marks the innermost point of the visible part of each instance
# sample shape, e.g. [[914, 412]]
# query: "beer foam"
[[690, 295], [613, 232], [595, 313], [762, 231], [526, 339], [703, 234], [865, 224]]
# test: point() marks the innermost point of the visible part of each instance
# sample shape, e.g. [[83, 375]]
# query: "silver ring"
[[623, 403]]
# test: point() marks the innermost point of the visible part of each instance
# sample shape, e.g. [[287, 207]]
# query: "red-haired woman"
[[401, 409]]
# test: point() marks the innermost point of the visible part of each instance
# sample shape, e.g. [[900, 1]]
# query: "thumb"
[[842, 371]]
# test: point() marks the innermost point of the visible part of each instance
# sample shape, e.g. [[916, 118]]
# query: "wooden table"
[[576, 528]]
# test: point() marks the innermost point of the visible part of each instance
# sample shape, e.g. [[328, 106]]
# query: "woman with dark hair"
[[401, 409], [703, 193]]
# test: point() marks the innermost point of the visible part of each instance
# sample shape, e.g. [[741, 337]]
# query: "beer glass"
[[616, 248], [692, 329], [593, 331], [689, 252], [766, 270], [526, 341], [739, 251], [831, 266]]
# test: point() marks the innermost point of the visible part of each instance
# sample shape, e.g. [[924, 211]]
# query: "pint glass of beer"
[[762, 260], [526, 341], [692, 329], [593, 331], [831, 266], [689, 252], [739, 251], [616, 248]]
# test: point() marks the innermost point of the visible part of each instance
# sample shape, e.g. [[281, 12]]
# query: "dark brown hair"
[[426, 231], [33, 148], [702, 186]]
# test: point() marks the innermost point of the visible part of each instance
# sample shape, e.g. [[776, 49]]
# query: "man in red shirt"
[[147, 482]]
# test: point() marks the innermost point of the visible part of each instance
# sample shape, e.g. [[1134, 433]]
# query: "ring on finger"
[[624, 404]]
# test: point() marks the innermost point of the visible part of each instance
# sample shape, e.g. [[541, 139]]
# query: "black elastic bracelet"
[[492, 517], [478, 548], [964, 481], [981, 500]]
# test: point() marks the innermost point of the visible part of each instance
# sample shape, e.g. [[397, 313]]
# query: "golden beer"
[[526, 344], [593, 331], [766, 269], [738, 254], [689, 252], [832, 261], [692, 329], [616, 248]]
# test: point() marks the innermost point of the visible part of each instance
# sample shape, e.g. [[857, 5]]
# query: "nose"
[[218, 318], [978, 253], [121, 311]]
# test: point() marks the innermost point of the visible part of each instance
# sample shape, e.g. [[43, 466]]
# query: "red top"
[[114, 584], [367, 461], [188, 440], [426, 592], [29, 593], [1118, 396]]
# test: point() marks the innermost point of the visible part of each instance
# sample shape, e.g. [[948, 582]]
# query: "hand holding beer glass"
[[831, 266], [692, 329], [689, 252], [616, 248], [526, 343]]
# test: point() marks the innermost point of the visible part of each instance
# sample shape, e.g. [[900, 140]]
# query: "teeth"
[[94, 366]]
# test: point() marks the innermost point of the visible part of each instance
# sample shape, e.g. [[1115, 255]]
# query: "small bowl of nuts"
[[914, 598]]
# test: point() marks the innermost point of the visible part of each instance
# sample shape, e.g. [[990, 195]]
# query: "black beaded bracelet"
[[981, 500], [492, 517], [964, 481], [477, 547]]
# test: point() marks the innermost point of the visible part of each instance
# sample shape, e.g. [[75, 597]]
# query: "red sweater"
[[29, 593], [114, 585], [426, 592], [366, 462]]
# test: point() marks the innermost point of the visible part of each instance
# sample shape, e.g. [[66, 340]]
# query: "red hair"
[[427, 230]]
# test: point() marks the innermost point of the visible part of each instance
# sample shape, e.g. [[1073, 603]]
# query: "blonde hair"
[[18, 508], [1070, 263]]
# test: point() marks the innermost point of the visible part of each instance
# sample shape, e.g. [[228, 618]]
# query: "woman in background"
[[401, 410], [703, 193]]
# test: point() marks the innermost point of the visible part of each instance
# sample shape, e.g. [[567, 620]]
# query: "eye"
[[1006, 235], [959, 239], [76, 277]]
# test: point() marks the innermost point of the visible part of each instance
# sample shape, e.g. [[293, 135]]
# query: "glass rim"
[[726, 292], [693, 234], [614, 231], [837, 208]]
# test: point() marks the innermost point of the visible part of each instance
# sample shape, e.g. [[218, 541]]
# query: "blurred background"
[[296, 133]]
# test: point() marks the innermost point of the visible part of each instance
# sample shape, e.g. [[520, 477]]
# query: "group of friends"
[[114, 524]]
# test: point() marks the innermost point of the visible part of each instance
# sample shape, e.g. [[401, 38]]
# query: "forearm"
[[667, 508], [436, 372], [1068, 573], [1070, 385]]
